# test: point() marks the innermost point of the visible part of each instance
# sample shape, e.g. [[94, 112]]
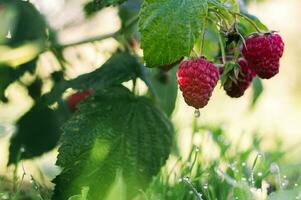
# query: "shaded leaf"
[[257, 90], [166, 88], [9, 75], [96, 5], [169, 29], [38, 131], [30, 25], [119, 68], [113, 131]]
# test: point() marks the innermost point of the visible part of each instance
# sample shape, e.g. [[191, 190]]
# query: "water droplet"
[[236, 197], [284, 176], [197, 113], [190, 192], [180, 180], [296, 184], [259, 174], [197, 149], [185, 178], [259, 155], [243, 164], [274, 168], [243, 179], [205, 186], [22, 149]]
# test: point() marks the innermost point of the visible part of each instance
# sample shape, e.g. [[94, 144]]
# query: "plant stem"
[[222, 48], [130, 23], [203, 36], [249, 20]]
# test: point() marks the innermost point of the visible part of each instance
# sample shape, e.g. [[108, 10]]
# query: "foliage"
[[119, 139]]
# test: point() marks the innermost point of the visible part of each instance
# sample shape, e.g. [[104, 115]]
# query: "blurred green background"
[[276, 114]]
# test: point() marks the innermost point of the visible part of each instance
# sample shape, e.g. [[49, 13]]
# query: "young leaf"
[[169, 29], [119, 68], [113, 131], [38, 132]]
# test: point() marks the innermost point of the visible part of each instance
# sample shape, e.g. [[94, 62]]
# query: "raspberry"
[[74, 99], [237, 88], [197, 79], [263, 53]]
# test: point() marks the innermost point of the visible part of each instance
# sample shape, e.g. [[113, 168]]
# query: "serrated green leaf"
[[119, 68], [257, 90], [96, 5], [38, 132], [165, 85], [113, 130], [169, 29]]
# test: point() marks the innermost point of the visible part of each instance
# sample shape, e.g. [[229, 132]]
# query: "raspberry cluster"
[[261, 55]]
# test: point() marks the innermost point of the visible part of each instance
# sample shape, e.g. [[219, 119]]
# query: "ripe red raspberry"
[[197, 79], [263, 53], [77, 97], [237, 88]]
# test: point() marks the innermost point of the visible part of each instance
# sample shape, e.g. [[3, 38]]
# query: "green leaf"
[[257, 90], [232, 5], [222, 11], [9, 75], [166, 88], [82, 196], [96, 5], [118, 188], [121, 67], [38, 132], [30, 25], [169, 29], [8, 18], [113, 131]]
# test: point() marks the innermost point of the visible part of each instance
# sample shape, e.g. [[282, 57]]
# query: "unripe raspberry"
[[74, 99], [263, 53], [197, 78], [245, 77]]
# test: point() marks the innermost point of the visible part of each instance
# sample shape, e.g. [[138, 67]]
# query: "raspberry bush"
[[108, 129]]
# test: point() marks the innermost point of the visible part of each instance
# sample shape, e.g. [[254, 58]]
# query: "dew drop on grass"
[[205, 186], [243, 164], [197, 149], [296, 184], [243, 179], [197, 113], [259, 174]]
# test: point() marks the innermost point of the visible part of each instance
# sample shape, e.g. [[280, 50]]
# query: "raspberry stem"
[[248, 20]]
